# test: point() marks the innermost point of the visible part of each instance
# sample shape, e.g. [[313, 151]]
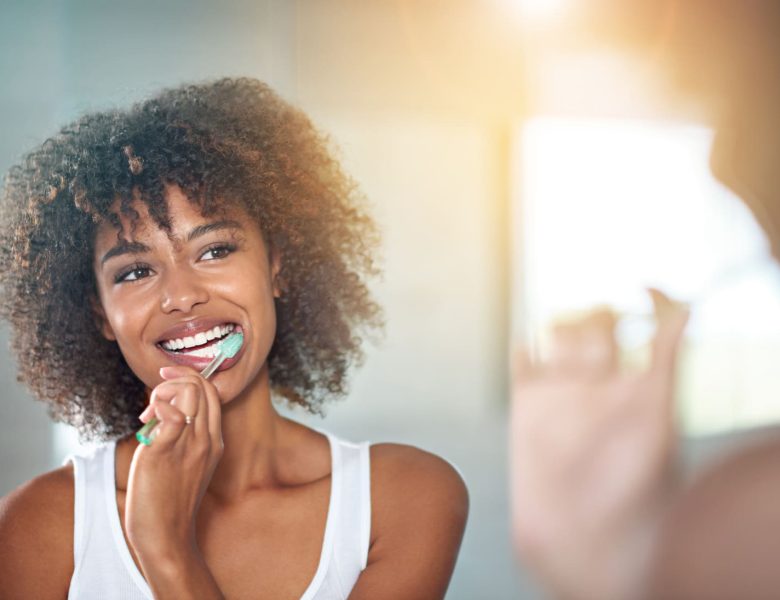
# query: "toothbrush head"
[[231, 344]]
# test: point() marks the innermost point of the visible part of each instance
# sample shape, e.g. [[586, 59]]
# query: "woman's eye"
[[220, 251], [133, 274]]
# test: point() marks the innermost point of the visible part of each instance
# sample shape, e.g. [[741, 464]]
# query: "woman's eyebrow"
[[213, 226], [125, 247]]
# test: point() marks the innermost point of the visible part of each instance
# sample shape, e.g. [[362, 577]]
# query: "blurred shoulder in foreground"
[[721, 540]]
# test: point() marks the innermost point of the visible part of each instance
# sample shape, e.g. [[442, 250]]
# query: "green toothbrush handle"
[[144, 435]]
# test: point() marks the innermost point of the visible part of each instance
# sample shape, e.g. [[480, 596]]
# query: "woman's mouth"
[[203, 344], [199, 349]]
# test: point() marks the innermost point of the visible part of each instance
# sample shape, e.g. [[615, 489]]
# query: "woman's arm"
[[167, 481], [36, 538], [419, 507]]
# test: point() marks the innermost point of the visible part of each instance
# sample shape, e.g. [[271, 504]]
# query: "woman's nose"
[[182, 291]]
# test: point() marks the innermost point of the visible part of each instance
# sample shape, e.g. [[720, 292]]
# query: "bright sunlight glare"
[[541, 9]]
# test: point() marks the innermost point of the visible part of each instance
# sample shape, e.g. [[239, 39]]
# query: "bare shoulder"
[[724, 526], [735, 491], [42, 506], [401, 471], [36, 528], [411, 488], [419, 506]]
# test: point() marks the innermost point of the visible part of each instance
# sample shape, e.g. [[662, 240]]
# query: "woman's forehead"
[[182, 216]]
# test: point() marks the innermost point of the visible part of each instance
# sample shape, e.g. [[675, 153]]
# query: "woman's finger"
[[196, 413], [672, 317], [584, 348], [171, 426], [214, 415], [599, 351], [210, 406], [562, 354], [182, 392], [147, 413]]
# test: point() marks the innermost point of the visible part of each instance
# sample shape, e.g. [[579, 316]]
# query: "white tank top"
[[104, 568]]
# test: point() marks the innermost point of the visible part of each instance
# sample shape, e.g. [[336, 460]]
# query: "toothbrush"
[[226, 348]]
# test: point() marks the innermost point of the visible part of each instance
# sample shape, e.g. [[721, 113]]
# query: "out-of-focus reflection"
[[599, 511]]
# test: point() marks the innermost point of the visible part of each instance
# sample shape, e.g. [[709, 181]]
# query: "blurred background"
[[524, 159]]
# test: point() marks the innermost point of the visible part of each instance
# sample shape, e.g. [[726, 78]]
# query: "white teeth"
[[199, 339], [206, 351]]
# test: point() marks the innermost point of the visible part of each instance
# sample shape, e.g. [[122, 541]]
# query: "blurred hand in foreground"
[[592, 450]]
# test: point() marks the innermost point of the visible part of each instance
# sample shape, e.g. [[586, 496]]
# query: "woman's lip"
[[193, 327]]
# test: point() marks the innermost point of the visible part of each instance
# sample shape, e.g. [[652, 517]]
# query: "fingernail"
[[168, 372]]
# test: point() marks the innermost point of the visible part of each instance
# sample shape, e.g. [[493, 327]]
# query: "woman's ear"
[[101, 322]]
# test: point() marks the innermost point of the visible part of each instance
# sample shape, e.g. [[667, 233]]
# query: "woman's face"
[[167, 300]]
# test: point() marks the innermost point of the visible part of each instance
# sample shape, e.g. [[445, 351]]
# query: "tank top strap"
[[80, 512], [353, 531], [90, 519]]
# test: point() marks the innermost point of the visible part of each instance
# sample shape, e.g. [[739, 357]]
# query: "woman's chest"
[[267, 546]]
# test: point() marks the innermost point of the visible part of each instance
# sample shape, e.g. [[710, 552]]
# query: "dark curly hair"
[[231, 142]]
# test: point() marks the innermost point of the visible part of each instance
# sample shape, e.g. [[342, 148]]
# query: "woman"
[[131, 243]]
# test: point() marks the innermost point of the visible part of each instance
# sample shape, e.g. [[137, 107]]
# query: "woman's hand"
[[168, 479], [591, 451]]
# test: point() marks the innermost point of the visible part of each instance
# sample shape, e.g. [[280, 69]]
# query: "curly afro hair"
[[231, 142]]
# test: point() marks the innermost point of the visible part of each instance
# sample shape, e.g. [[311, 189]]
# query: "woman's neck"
[[253, 434]]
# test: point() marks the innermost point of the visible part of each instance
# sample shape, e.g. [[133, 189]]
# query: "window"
[[604, 208]]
